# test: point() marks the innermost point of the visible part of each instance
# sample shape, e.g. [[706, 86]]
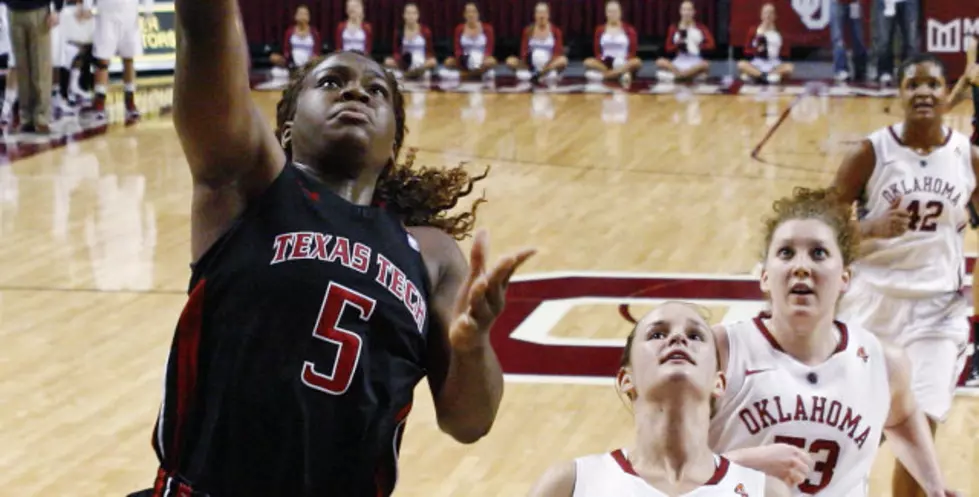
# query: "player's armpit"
[[557, 481]]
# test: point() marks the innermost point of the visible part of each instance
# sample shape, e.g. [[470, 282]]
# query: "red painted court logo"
[[537, 304]]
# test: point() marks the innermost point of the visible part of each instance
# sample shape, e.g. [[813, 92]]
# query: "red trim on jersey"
[[760, 324], [720, 471], [623, 461], [188, 343], [948, 137]]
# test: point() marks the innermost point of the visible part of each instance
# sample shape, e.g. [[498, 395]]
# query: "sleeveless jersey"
[[303, 47], [355, 39], [614, 44], [768, 45], [473, 44], [295, 358], [414, 45], [935, 189], [612, 475], [541, 50], [836, 410]]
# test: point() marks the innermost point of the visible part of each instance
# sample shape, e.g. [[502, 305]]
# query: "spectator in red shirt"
[[354, 34], [414, 52], [688, 39], [300, 44], [541, 48], [474, 43], [766, 46], [616, 44]]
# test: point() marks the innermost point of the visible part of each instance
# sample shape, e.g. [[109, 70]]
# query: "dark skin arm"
[[850, 180], [232, 153], [464, 374]]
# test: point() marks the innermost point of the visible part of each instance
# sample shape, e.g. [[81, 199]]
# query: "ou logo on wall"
[[536, 304], [814, 14]]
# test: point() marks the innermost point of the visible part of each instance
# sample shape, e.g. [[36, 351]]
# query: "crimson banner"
[[802, 23], [947, 24]]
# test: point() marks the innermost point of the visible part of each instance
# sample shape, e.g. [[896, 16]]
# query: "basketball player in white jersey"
[[805, 388], [670, 373], [117, 32], [914, 180]]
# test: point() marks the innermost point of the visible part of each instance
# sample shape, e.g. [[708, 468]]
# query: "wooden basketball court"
[[613, 189]]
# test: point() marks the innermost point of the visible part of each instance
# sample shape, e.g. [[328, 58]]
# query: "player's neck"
[[809, 340], [671, 438], [472, 24], [358, 191], [686, 24], [767, 26], [411, 26], [923, 135], [355, 20], [614, 24], [545, 26]]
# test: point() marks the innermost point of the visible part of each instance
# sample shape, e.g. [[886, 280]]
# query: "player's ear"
[[763, 281], [847, 276], [623, 380], [285, 136], [720, 384]]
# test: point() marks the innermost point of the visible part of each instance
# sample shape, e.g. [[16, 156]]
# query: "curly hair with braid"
[[419, 196]]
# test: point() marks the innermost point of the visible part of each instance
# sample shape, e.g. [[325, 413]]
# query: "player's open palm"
[[483, 294], [785, 462]]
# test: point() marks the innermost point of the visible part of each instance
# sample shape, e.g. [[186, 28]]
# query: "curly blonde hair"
[[823, 204]]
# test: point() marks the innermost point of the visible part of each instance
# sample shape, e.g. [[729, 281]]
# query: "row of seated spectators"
[[542, 52]]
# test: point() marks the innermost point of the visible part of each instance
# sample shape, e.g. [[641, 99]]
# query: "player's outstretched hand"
[[483, 294]]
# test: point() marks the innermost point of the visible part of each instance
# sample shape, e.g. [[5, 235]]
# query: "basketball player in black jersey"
[[313, 310]]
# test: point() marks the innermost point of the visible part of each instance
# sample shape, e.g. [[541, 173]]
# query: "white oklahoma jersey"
[[612, 475], [835, 410], [928, 260]]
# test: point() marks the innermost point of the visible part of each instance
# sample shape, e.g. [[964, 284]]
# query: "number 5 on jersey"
[[338, 300]]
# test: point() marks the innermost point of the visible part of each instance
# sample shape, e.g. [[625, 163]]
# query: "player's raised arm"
[[223, 134]]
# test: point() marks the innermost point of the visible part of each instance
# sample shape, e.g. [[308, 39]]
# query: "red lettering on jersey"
[[320, 251], [749, 421], [833, 416], [341, 250], [361, 257], [404, 289], [818, 409], [397, 284], [383, 268], [759, 416], [762, 408], [300, 248], [800, 409], [416, 305], [281, 244], [782, 416]]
